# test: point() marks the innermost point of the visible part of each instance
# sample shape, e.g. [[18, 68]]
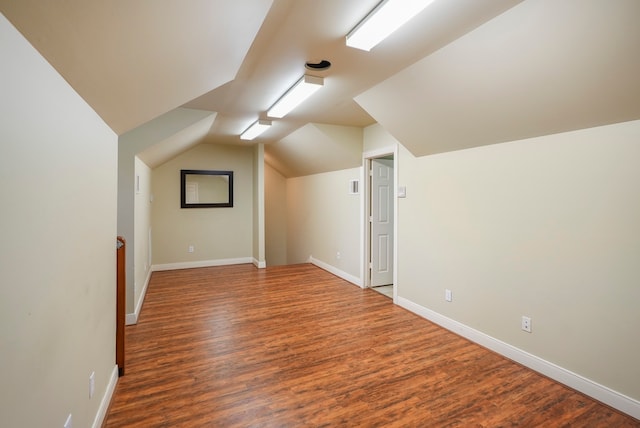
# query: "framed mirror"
[[206, 189]]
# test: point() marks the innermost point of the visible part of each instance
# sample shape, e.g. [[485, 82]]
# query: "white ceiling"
[[461, 74], [308, 149], [540, 68], [135, 60]]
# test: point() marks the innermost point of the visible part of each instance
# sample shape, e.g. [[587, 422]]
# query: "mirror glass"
[[206, 189]]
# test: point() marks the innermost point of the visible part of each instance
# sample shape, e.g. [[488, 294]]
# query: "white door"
[[381, 222]]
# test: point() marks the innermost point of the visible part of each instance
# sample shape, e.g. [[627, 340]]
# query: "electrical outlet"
[[68, 422], [92, 384], [448, 296], [338, 255], [526, 324], [190, 249]]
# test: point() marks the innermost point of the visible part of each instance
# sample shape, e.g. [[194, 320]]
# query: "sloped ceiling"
[[462, 73], [135, 60], [542, 67], [316, 148], [297, 31], [163, 150], [164, 128]]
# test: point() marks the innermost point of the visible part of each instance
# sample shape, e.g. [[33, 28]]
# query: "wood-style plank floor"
[[295, 346]]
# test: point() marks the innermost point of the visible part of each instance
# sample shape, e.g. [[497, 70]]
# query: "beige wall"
[[324, 219], [142, 228], [215, 233], [275, 217], [548, 228], [58, 181]]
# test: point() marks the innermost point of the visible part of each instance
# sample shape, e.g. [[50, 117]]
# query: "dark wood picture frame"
[[204, 182]]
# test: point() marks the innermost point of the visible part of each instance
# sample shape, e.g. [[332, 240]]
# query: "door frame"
[[364, 214]]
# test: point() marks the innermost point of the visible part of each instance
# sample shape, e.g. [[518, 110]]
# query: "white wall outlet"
[[338, 255], [92, 384], [526, 324], [190, 249], [68, 423], [448, 296]]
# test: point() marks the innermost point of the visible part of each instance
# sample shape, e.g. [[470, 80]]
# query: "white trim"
[[258, 264], [593, 389], [133, 318], [391, 149], [337, 272], [364, 199], [202, 263], [106, 399], [380, 152]]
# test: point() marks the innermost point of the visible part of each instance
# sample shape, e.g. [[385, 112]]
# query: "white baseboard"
[[337, 272], [201, 263], [258, 264], [133, 318], [588, 387], [106, 399]]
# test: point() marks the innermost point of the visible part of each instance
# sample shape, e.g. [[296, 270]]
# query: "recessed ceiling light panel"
[[300, 91], [384, 19], [256, 128]]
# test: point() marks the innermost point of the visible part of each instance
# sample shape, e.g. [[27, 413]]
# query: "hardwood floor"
[[295, 346]]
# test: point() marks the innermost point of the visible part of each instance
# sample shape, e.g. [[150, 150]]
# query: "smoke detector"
[[318, 66]]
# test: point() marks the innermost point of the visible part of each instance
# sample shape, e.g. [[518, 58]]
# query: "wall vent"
[[354, 187]]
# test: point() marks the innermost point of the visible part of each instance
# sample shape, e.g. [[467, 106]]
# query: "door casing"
[[365, 201]]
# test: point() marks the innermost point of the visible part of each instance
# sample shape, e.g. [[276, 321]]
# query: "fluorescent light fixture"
[[303, 89], [256, 128], [384, 19]]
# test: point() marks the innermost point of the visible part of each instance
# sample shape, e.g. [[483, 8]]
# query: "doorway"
[[380, 226]]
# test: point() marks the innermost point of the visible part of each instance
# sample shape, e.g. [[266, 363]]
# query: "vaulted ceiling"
[[461, 74]]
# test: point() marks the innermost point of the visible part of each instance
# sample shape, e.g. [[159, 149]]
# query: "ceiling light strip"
[[384, 19], [300, 91], [256, 128]]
